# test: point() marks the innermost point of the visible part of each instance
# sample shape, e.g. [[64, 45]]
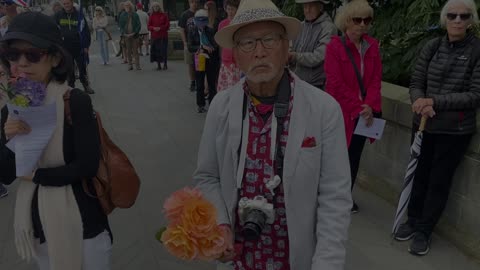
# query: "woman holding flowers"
[[56, 222]]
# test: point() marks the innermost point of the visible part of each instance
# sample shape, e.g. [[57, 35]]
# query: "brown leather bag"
[[116, 183]]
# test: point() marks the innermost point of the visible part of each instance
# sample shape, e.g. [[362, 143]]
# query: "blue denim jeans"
[[101, 38]]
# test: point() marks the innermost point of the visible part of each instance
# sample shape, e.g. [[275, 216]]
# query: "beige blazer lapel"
[[235, 122], [296, 135]]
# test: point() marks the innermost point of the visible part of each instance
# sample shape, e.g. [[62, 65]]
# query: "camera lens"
[[254, 224]]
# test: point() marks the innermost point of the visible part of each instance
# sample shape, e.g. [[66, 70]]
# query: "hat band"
[[255, 15]]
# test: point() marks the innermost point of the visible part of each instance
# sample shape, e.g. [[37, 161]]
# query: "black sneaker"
[[3, 191], [420, 245], [355, 208], [405, 232], [192, 86]]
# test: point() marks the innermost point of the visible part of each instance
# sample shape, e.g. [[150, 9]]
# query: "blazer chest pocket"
[[307, 172]]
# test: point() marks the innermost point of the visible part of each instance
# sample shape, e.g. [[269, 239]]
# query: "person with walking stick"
[[448, 97]]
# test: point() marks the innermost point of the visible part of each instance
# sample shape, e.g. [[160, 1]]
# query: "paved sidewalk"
[[152, 116]]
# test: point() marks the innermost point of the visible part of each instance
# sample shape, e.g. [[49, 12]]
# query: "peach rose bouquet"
[[192, 232]]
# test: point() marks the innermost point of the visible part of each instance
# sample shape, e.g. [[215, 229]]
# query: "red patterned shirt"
[[271, 250]]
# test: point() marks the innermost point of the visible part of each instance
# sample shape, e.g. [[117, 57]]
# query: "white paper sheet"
[[375, 131], [29, 148]]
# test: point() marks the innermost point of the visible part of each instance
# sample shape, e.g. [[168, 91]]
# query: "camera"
[[254, 214]]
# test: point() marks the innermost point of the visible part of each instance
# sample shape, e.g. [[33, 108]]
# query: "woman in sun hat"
[[55, 221]]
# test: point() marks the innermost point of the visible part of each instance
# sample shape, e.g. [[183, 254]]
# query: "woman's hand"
[[420, 104], [367, 113], [209, 49], [428, 111], [15, 127]]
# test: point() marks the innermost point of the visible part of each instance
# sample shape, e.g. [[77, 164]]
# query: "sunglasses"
[[33, 55], [358, 20], [463, 16]]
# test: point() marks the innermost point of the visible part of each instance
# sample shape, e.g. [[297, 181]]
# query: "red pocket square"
[[309, 142]]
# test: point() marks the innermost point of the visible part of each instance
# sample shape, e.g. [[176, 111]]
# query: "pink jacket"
[[342, 81], [227, 54]]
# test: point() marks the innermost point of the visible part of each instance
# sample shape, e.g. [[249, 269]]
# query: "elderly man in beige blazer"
[[273, 157]]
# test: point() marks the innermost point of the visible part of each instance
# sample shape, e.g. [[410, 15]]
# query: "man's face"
[[261, 51], [128, 7], [67, 5], [312, 10]]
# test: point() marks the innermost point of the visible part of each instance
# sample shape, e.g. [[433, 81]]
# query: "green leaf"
[[159, 234]]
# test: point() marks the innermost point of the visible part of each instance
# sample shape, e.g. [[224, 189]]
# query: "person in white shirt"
[[144, 39]]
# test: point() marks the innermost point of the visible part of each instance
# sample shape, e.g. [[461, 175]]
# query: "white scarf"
[[58, 208]]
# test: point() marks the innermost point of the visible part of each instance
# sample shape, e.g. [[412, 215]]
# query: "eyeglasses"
[[269, 41], [33, 55], [358, 20], [463, 16]]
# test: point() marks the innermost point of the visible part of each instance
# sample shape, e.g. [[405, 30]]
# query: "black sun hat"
[[36, 28]]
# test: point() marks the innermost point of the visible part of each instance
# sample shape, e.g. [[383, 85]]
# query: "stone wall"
[[383, 168], [175, 43]]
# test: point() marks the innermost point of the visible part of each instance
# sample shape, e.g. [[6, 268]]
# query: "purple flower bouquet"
[[23, 92]]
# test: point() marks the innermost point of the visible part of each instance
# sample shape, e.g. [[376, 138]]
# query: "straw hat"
[[310, 1], [253, 11]]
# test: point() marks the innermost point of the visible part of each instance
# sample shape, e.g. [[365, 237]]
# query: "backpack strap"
[[363, 91]]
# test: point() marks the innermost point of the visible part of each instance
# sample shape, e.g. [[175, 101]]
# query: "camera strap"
[[280, 112]]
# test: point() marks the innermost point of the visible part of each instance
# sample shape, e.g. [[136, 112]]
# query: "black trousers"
[[81, 63], [354, 154], [440, 156], [212, 68]]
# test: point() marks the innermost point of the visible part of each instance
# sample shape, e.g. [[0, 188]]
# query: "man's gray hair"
[[469, 4]]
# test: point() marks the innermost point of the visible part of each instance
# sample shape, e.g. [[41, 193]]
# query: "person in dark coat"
[[57, 222], [445, 88], [77, 40], [201, 41], [158, 25]]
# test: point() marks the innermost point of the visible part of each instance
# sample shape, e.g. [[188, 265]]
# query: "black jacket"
[[74, 29], [193, 39], [449, 73], [81, 150]]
